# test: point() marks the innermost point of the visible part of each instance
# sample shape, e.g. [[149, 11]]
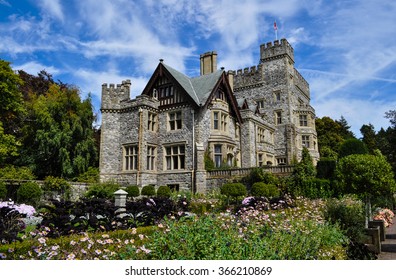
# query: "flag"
[[275, 26]]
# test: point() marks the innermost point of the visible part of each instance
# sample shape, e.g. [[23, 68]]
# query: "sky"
[[345, 49]]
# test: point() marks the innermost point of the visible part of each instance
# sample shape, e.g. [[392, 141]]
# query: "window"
[[260, 159], [218, 156], [303, 120], [152, 121], [151, 158], [131, 157], [220, 95], [305, 141], [175, 120], [277, 96], [166, 91], [278, 119], [260, 135], [220, 121], [281, 161], [175, 157], [215, 120], [224, 120], [260, 104]]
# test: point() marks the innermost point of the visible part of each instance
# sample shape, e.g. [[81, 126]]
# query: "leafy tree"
[[352, 146], [60, 141], [11, 111], [366, 176], [11, 101]]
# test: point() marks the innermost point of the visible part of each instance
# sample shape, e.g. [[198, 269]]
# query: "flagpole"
[[276, 31]]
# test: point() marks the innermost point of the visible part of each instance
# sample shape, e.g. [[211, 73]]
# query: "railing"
[[281, 170]]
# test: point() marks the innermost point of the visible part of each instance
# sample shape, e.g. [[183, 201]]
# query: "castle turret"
[[112, 95], [277, 50]]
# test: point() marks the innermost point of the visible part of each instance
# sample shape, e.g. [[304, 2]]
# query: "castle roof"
[[198, 88]]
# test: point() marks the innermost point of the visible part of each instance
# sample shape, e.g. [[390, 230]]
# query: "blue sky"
[[345, 49]]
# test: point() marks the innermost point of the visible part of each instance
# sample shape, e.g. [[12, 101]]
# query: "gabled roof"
[[198, 88]]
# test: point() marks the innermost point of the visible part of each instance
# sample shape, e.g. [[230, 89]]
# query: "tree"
[[351, 147], [59, 140], [367, 176], [11, 111], [369, 137], [331, 135], [346, 132], [11, 102]]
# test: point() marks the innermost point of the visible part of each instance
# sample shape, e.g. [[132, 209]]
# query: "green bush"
[[348, 213], [314, 188], [3, 191], [102, 190], [16, 173], [260, 189], [148, 190], [90, 176], [164, 191], [233, 190], [56, 186], [29, 193], [133, 191]]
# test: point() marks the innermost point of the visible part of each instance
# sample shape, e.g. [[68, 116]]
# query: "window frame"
[[131, 157]]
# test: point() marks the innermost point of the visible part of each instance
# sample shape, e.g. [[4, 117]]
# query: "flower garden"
[[181, 226]]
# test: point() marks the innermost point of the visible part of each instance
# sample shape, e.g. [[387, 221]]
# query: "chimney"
[[208, 62], [230, 76]]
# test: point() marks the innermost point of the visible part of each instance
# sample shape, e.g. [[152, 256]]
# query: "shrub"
[[233, 190], [57, 186], [164, 191], [3, 191], [16, 173], [148, 190], [102, 190], [133, 191], [30, 193], [348, 212], [315, 188], [261, 189], [90, 176]]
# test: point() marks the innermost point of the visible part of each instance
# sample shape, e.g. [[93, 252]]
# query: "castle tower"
[[277, 92], [208, 62]]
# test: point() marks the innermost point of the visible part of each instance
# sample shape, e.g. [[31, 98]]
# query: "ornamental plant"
[[29, 192], [233, 190], [267, 190], [148, 190], [133, 191], [164, 191]]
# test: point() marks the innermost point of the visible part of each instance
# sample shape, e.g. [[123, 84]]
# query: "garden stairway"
[[388, 247]]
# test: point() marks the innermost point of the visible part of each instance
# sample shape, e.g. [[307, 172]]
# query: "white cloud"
[[5, 3], [34, 68], [52, 8]]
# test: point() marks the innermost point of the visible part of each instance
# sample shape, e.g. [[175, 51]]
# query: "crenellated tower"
[[112, 95], [278, 93]]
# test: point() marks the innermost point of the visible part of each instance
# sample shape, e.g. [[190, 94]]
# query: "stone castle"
[[258, 116]]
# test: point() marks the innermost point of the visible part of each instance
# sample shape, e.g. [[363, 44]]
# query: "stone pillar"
[[120, 201], [200, 173]]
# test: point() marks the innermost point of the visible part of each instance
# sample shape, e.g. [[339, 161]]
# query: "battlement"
[[112, 94], [248, 76], [275, 50]]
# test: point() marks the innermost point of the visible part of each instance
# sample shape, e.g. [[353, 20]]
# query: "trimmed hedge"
[[233, 190], [316, 188], [102, 190], [133, 191], [261, 189], [164, 191], [29, 193], [148, 190]]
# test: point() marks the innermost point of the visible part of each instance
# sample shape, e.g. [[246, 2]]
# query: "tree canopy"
[[49, 127]]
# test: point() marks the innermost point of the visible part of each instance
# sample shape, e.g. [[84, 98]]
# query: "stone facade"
[[258, 116]]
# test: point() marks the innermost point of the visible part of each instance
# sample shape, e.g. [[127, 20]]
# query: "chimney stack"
[[208, 62]]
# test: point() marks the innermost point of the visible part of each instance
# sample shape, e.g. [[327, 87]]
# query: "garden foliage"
[[30, 193], [148, 190], [233, 190], [164, 191], [263, 189], [133, 191]]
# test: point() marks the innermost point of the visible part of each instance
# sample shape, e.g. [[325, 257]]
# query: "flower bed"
[[385, 215]]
